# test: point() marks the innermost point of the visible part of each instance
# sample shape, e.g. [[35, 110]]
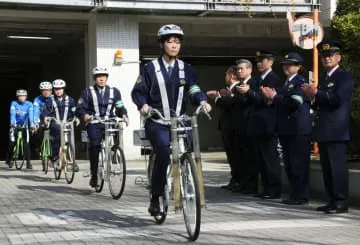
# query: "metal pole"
[[315, 77], [315, 51]]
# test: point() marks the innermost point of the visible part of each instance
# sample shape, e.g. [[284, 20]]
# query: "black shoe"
[[154, 208], [337, 209], [295, 201], [270, 196], [93, 181], [328, 206], [28, 165]]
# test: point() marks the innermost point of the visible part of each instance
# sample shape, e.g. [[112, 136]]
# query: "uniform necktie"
[[169, 71], [102, 93]]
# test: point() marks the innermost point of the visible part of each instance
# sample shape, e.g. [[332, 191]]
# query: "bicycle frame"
[[177, 146], [19, 145], [45, 145], [66, 128], [113, 126]]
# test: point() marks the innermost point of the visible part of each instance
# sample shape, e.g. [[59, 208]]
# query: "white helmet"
[[58, 83], [45, 85], [170, 29], [21, 92], [100, 71]]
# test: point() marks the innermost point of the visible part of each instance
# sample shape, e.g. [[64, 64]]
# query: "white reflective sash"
[[95, 101], [66, 112], [181, 89], [110, 102], [56, 109], [161, 81]]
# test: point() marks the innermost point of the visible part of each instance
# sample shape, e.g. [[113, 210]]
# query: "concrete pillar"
[[106, 34]]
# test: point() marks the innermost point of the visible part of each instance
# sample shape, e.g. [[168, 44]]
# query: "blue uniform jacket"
[[293, 108], [39, 107], [49, 110], [146, 89], [262, 117], [86, 104], [332, 105], [21, 114]]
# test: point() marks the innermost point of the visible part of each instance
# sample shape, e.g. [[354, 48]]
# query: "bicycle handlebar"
[[107, 119], [198, 110]]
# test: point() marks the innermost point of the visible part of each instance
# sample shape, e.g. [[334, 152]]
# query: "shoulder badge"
[[291, 85], [139, 79], [182, 82], [330, 84]]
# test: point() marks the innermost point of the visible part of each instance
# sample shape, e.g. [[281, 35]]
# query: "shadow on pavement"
[[58, 189], [97, 217]]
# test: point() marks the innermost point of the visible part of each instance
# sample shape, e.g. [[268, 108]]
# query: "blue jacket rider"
[[21, 118]]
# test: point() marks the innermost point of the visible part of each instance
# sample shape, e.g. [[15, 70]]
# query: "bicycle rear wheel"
[[159, 219], [117, 172], [57, 166], [190, 196], [150, 167], [69, 164], [100, 172]]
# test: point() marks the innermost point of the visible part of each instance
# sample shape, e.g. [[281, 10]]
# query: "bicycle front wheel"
[[117, 172], [100, 173], [69, 164], [57, 166], [190, 196]]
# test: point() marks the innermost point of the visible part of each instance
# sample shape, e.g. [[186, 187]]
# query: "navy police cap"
[[329, 47], [292, 58]]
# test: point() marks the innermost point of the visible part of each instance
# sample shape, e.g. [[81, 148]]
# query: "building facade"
[[66, 38]]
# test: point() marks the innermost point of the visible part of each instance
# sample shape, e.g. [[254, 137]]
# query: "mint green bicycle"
[[45, 153], [18, 154]]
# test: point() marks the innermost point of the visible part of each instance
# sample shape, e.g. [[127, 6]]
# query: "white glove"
[[47, 121], [126, 120], [144, 110], [77, 122], [206, 106]]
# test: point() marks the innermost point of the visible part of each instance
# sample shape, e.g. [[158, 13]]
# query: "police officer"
[[21, 115], [294, 127], [99, 100], [223, 101], [62, 107], [165, 84], [247, 168], [332, 102], [45, 88], [262, 127]]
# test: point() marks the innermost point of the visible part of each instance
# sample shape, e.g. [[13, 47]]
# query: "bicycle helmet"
[[21, 92], [59, 83], [45, 85], [170, 30], [100, 71]]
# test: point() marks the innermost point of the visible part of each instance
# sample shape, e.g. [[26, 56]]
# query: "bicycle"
[[67, 160], [184, 182], [45, 152], [112, 165], [18, 153]]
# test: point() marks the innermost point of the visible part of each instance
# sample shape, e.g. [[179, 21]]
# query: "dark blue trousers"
[[159, 136], [95, 132], [296, 154], [335, 171], [55, 139], [265, 152]]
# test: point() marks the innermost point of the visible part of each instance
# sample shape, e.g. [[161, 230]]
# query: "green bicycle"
[[45, 153], [18, 154]]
